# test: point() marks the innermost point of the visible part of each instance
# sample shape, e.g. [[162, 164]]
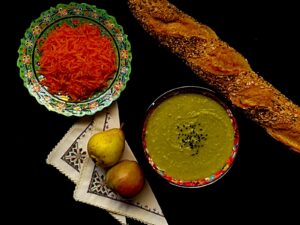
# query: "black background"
[[263, 183]]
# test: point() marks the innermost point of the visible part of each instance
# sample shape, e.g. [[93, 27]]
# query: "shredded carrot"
[[76, 61]]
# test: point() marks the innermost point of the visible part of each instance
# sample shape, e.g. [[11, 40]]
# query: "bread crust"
[[221, 67]]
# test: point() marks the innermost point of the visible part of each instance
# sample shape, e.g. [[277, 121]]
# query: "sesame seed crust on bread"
[[221, 67]]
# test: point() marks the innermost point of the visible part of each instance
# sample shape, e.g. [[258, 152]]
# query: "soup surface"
[[189, 136]]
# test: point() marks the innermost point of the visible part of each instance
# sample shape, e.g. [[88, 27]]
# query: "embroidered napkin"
[[70, 157], [69, 154]]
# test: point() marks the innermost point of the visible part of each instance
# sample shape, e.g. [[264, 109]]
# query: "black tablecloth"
[[263, 183]]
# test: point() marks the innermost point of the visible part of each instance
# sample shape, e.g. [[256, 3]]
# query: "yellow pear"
[[106, 147]]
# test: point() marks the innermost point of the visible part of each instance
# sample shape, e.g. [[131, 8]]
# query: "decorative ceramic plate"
[[190, 137], [73, 14]]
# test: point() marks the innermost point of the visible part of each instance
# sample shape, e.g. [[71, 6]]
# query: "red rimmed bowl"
[[190, 137]]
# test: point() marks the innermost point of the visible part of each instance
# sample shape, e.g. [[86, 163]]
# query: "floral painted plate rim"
[[202, 181], [70, 12]]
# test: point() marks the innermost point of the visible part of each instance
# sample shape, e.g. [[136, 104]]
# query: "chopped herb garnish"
[[191, 137]]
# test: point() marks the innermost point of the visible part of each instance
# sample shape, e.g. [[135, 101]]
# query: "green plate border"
[[60, 104]]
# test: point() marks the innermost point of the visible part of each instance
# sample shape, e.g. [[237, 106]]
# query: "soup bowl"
[[190, 137]]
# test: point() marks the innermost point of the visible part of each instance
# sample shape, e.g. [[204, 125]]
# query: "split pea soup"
[[190, 137]]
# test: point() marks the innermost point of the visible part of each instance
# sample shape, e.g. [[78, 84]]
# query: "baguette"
[[221, 67]]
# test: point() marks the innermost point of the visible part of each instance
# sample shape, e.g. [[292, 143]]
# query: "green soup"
[[189, 136]]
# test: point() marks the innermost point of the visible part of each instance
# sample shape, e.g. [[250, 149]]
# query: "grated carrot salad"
[[76, 61]]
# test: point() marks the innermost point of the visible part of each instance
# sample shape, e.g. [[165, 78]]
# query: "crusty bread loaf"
[[222, 67]]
